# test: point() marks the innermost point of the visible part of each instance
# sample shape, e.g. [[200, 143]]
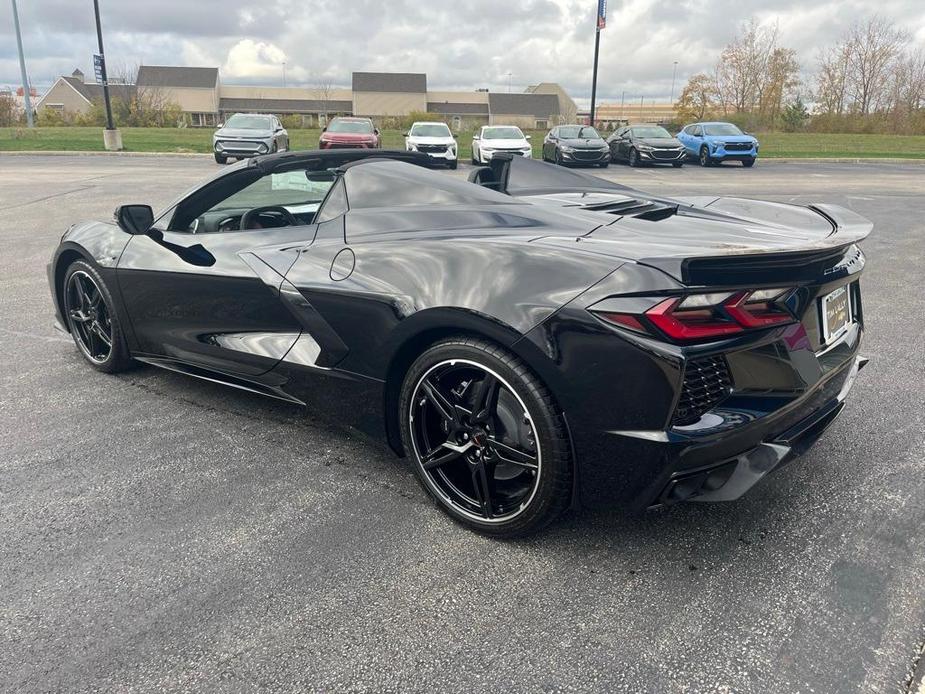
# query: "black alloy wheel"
[[486, 440], [88, 310], [705, 159], [634, 158], [559, 161]]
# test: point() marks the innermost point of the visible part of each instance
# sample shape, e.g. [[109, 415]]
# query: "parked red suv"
[[350, 133]]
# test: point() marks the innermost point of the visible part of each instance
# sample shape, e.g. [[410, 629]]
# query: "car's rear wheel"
[[749, 163], [90, 315], [486, 439], [220, 158], [705, 159]]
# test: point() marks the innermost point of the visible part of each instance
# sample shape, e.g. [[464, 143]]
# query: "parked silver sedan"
[[247, 135]]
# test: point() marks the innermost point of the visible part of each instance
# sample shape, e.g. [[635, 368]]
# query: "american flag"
[[601, 14]]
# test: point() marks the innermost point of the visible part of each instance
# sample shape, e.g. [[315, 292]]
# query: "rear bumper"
[[729, 479]]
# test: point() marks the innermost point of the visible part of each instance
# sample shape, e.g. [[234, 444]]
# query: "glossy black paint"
[[331, 314]]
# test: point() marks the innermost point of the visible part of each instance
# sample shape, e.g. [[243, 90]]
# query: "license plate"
[[836, 314]]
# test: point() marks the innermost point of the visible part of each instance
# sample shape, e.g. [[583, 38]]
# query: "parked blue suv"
[[713, 143]]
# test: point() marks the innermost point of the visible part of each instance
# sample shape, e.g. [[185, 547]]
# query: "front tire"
[[453, 164], [91, 318], [634, 159], [677, 164], [705, 159], [485, 437], [749, 163], [220, 158]]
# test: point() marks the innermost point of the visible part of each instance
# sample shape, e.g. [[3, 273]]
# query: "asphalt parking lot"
[[164, 533]]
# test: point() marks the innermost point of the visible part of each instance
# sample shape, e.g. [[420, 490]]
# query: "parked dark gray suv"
[[247, 135]]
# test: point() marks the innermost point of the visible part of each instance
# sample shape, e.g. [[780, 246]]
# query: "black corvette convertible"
[[533, 339]]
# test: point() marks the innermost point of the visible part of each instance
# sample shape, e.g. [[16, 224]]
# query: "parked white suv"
[[434, 139], [491, 139]]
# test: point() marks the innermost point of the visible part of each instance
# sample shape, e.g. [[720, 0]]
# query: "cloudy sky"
[[460, 44]]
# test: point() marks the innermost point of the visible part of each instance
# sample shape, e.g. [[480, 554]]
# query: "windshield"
[[722, 129], [248, 122], [506, 133], [430, 130], [350, 126], [651, 131], [571, 132]]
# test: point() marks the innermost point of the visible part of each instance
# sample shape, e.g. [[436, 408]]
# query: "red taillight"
[[756, 314], [691, 324], [699, 317]]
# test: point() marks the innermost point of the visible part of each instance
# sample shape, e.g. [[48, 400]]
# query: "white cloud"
[[248, 58]]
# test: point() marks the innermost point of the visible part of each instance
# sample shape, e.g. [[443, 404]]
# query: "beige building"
[[610, 116], [379, 95], [76, 96]]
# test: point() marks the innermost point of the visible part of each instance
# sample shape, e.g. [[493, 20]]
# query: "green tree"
[[795, 116]]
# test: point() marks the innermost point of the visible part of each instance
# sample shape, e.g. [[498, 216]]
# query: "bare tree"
[[322, 90], [832, 80], [872, 49], [698, 98]]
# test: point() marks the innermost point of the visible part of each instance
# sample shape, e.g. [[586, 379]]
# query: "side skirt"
[[219, 377]]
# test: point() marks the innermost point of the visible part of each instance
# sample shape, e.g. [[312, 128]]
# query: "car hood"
[[420, 140], [348, 137], [505, 144], [243, 133], [584, 142], [659, 141], [728, 139]]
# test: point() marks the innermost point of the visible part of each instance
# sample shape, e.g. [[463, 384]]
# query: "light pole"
[[27, 101], [112, 138], [601, 22], [674, 74], [509, 81]]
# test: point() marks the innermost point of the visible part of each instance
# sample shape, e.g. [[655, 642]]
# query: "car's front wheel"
[[634, 158], [220, 158], [486, 439], [90, 314], [748, 163]]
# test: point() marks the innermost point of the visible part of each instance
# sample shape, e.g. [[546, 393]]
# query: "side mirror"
[[324, 129], [404, 134], [376, 131], [220, 125], [134, 219], [528, 137], [475, 137]]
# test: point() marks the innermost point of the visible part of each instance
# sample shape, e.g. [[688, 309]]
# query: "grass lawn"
[[803, 145]]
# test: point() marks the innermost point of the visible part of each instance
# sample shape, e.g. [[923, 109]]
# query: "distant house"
[[75, 96]]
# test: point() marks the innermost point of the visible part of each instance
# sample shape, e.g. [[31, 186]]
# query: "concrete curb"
[[841, 160], [86, 153]]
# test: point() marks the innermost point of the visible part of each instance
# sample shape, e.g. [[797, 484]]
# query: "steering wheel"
[[251, 215]]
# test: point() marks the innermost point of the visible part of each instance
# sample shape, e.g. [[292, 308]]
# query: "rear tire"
[[92, 320], [515, 446]]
